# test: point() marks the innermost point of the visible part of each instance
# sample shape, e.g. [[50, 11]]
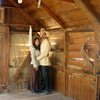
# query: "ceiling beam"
[[53, 15], [8, 7], [25, 14]]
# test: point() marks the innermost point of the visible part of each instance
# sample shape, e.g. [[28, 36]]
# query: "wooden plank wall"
[[57, 59], [79, 85], [76, 41]]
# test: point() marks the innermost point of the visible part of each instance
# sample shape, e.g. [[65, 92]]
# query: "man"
[[44, 59]]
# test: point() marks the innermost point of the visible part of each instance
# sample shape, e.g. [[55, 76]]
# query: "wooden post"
[[66, 43], [4, 63], [6, 54]]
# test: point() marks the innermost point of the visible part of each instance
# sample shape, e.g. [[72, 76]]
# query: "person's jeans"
[[46, 77]]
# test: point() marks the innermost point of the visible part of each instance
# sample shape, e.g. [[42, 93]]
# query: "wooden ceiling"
[[54, 14]]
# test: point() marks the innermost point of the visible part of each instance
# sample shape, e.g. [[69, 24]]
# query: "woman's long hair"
[[36, 47]]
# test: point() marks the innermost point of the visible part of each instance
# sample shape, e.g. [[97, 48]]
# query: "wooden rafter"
[[25, 14], [53, 15]]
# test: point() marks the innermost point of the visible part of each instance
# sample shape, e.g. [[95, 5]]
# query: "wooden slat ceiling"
[[68, 13], [58, 13]]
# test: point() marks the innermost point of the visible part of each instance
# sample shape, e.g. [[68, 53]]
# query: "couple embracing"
[[40, 69]]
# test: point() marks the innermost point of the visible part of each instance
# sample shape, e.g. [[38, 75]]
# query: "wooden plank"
[[60, 85], [81, 86], [28, 17], [75, 47], [1, 58], [74, 54], [66, 53], [76, 62], [53, 15], [6, 54], [14, 24]]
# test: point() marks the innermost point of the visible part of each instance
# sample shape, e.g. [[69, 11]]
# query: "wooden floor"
[[32, 96]]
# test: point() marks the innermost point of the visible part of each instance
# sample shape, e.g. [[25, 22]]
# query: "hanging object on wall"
[[20, 1], [39, 3]]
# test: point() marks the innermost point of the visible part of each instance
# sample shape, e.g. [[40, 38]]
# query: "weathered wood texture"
[[17, 74], [79, 85], [4, 47], [1, 15], [57, 13], [13, 16], [82, 86], [59, 81], [57, 60], [76, 41]]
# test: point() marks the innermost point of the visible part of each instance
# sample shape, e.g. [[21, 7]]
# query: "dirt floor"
[[27, 95]]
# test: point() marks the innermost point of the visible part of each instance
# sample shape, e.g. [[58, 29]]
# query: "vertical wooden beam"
[[66, 44], [6, 54], [53, 15], [25, 14]]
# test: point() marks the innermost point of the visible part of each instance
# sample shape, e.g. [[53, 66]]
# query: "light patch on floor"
[[32, 96]]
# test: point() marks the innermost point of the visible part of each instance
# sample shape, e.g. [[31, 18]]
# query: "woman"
[[34, 70]]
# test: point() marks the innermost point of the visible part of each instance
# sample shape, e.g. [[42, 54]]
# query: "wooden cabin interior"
[[74, 33]]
